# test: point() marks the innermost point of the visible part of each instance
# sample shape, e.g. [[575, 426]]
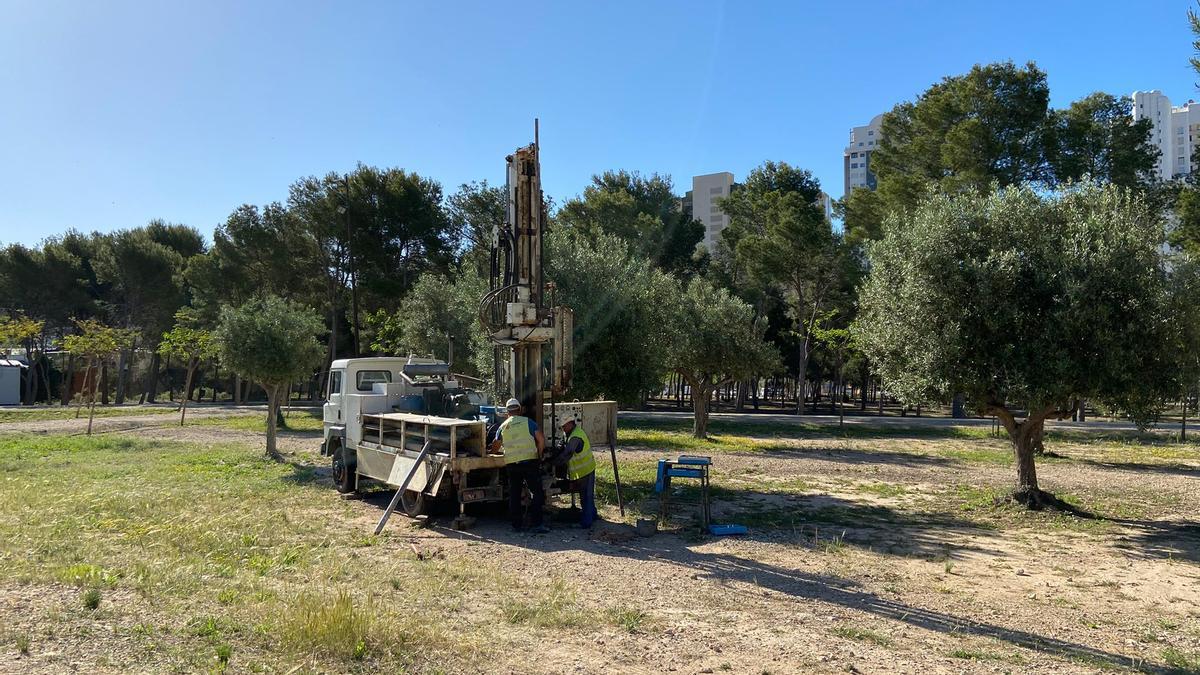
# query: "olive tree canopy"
[[270, 341], [1025, 302]]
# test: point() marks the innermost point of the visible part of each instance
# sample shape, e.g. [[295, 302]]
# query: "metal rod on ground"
[[403, 486], [617, 478]]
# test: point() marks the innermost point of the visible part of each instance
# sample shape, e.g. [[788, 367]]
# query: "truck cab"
[[414, 384]]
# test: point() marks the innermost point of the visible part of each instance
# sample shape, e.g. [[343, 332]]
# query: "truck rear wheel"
[[343, 470], [412, 503]]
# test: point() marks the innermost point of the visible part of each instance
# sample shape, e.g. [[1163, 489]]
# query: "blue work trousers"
[[587, 495]]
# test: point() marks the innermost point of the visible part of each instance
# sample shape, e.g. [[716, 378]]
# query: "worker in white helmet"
[[581, 469], [523, 444]]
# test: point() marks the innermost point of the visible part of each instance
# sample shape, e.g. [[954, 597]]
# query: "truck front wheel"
[[343, 470]]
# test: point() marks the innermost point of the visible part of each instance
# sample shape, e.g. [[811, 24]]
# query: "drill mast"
[[520, 322]]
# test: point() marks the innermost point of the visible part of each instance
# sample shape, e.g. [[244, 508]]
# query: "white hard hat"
[[512, 403], [567, 419]]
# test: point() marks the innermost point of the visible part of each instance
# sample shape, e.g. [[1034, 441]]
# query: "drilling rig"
[[532, 337], [408, 423]]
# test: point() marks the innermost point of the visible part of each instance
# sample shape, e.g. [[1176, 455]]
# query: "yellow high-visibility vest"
[[518, 444], [583, 462]]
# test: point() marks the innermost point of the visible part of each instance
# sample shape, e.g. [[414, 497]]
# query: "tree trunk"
[[83, 389], [187, 387], [1039, 447], [64, 396], [170, 380], [1183, 424], [862, 396], [841, 400], [958, 408], [1023, 447], [237, 389], [103, 382], [700, 400], [44, 368], [272, 411], [802, 376], [152, 377], [92, 402], [1023, 435], [1080, 415], [122, 375]]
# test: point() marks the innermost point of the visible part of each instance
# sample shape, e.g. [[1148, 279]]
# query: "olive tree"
[[96, 343], [1025, 302], [273, 342], [715, 339], [191, 345]]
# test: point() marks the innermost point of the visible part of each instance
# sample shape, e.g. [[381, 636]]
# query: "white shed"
[[10, 381]]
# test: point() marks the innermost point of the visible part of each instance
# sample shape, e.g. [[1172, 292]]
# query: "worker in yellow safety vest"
[[581, 468], [523, 444]]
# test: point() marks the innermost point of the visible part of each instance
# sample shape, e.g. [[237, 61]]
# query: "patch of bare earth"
[[883, 564]]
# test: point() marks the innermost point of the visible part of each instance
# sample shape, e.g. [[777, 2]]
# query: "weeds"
[[331, 626], [556, 608], [629, 619], [90, 599], [862, 635], [1183, 661], [974, 655]]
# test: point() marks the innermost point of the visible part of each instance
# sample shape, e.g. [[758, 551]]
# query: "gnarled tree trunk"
[[272, 411], [1025, 435]]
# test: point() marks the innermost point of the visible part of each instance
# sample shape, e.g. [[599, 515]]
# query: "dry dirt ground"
[[880, 554]]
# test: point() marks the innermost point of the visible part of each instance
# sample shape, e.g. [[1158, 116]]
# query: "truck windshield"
[[367, 378], [335, 382]]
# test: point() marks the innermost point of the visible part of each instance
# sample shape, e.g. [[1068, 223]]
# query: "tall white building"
[[1175, 131], [706, 190], [857, 157]]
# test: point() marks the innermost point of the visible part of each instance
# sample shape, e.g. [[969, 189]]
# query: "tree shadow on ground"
[[1161, 539], [808, 430], [1168, 468], [798, 584], [856, 456]]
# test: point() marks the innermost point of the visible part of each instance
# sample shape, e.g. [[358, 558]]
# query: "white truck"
[[408, 423]]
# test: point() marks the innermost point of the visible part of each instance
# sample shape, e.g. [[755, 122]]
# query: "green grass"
[[259, 554], [59, 413], [298, 420]]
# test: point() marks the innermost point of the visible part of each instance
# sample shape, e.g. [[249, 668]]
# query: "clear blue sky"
[[113, 113]]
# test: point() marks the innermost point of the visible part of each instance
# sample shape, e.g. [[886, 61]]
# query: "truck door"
[[332, 410]]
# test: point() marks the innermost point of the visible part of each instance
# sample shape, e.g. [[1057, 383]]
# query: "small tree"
[[270, 341], [839, 342], [715, 340], [1026, 303], [191, 345], [23, 331], [95, 343]]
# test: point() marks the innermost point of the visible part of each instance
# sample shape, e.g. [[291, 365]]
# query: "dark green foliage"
[[1097, 137], [642, 211], [620, 303]]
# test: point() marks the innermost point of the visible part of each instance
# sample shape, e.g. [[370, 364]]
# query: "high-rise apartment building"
[[857, 157], [706, 190], [1175, 131]]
